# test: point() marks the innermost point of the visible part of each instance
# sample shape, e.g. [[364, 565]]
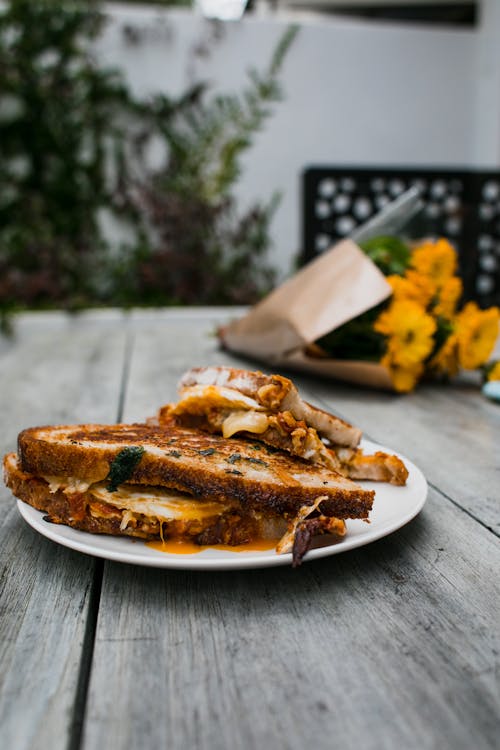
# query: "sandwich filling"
[[227, 411]]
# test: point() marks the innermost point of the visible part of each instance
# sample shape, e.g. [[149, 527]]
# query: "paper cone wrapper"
[[331, 290]]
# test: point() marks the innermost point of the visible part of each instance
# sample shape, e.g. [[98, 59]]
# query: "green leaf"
[[356, 339], [123, 465], [390, 254]]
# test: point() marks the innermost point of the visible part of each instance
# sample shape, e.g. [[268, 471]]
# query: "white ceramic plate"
[[393, 508]]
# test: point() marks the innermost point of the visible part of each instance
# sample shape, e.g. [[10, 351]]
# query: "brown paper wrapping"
[[336, 287]]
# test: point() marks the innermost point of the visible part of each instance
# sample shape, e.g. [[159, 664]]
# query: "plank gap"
[[88, 646], [80, 705], [461, 507], [127, 359]]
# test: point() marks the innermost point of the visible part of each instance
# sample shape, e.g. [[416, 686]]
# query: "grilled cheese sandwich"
[[179, 483], [238, 459]]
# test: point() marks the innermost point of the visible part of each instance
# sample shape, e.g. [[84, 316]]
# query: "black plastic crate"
[[462, 205]]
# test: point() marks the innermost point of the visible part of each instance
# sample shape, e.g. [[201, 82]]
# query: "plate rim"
[[83, 540]]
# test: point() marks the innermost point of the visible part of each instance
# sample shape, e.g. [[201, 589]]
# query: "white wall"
[[355, 93]]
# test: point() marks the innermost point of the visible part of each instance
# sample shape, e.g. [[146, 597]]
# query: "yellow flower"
[[413, 286], [409, 330], [449, 294], [437, 260], [404, 379], [445, 361], [494, 372], [477, 332], [468, 312]]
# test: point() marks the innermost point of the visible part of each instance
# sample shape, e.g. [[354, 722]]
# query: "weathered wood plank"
[[394, 645], [163, 349], [63, 372]]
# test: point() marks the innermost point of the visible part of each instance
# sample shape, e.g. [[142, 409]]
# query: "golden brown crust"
[[193, 462], [40, 454]]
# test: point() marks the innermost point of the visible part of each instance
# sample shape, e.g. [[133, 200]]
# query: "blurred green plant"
[[74, 145], [356, 339], [57, 112], [196, 247]]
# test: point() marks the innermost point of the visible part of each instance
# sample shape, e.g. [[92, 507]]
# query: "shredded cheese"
[[68, 485], [127, 516]]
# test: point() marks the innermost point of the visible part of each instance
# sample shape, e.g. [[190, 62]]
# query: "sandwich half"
[[173, 482], [269, 408]]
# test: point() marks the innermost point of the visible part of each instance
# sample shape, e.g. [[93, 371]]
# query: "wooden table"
[[393, 645]]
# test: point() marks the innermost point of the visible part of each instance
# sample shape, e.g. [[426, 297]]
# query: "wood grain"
[[393, 645], [162, 349], [58, 369]]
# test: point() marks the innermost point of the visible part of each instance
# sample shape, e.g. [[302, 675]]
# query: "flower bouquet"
[[384, 314], [419, 331]]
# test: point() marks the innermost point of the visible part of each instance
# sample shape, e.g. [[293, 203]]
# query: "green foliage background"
[[73, 144]]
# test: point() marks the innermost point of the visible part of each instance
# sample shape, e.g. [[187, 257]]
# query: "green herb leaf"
[[123, 465], [207, 452], [234, 457]]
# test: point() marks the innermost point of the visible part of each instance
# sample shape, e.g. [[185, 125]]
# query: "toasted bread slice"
[[190, 461], [255, 391], [144, 512]]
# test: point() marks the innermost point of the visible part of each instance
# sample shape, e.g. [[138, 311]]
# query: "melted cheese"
[[127, 516], [155, 501], [183, 547], [247, 421], [67, 484], [212, 396]]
